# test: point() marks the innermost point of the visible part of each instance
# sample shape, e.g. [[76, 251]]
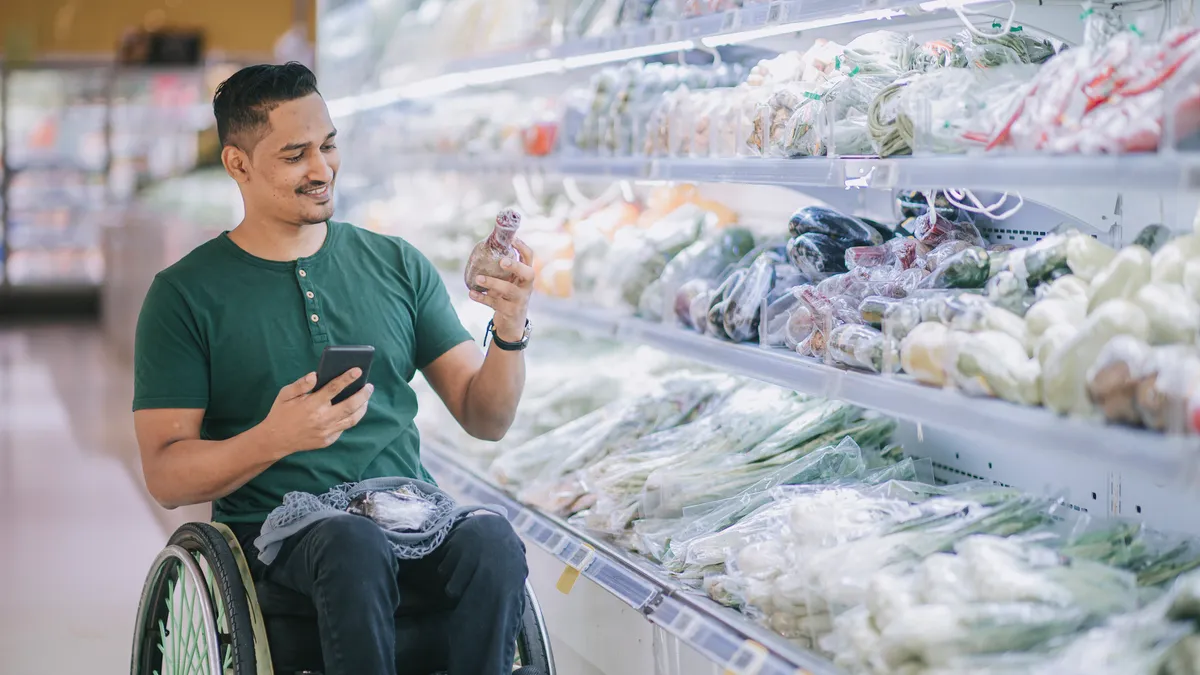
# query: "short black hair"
[[243, 102]]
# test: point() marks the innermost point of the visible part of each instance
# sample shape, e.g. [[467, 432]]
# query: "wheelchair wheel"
[[194, 616], [533, 642]]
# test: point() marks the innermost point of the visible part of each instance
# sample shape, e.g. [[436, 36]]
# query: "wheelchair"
[[200, 615]]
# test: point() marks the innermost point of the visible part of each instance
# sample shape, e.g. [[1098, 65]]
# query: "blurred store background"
[[107, 149]]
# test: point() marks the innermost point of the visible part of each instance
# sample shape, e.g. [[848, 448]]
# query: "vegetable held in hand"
[[486, 256]]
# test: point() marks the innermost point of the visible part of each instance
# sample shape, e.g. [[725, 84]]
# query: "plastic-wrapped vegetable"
[[719, 303], [1068, 287], [934, 258], [931, 229], [873, 307], [834, 224], [817, 255], [900, 253], [687, 294], [985, 317], [925, 353], [1171, 377], [1121, 278], [1153, 237], [1009, 291], [1066, 368], [708, 257], [1112, 380], [1174, 316], [744, 309], [862, 347], [1050, 311], [1086, 256], [965, 269], [1169, 261], [1054, 337], [991, 363]]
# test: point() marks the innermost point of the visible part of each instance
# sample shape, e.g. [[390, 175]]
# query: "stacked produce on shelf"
[[802, 514]]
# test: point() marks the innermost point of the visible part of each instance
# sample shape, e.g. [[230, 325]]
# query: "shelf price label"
[[747, 660], [576, 564], [775, 13], [521, 520]]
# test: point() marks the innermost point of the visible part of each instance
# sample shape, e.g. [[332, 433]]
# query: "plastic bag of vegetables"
[[863, 347], [701, 264], [638, 257], [991, 363]]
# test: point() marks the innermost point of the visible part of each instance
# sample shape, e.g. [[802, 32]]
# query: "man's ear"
[[237, 163]]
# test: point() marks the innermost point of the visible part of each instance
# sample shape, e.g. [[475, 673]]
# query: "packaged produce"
[[925, 353], [486, 256], [1065, 376], [864, 348], [1008, 291], [1153, 237], [1174, 316], [686, 296], [833, 224], [1171, 378], [744, 300], [698, 267], [991, 363], [1191, 278], [1121, 278], [986, 317], [1050, 311], [1087, 257], [719, 304], [898, 253], [931, 229], [1054, 337], [873, 307], [1168, 263], [1068, 287], [1112, 381], [966, 269], [638, 257]]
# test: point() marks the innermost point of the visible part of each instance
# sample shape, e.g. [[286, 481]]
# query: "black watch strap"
[[507, 346]]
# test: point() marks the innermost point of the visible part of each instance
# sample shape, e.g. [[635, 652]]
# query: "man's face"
[[291, 169]]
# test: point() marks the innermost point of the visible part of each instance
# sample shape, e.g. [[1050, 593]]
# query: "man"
[[224, 404]]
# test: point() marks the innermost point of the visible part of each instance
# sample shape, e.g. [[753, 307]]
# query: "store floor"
[[77, 531]]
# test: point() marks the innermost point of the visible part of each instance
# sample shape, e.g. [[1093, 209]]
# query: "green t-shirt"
[[224, 331]]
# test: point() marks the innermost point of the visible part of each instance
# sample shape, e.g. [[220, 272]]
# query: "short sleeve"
[[438, 328], [170, 363]]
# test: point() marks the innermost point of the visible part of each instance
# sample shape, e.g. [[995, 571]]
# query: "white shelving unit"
[[1098, 469]]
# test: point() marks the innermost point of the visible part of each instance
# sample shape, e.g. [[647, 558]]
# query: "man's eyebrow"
[[292, 147]]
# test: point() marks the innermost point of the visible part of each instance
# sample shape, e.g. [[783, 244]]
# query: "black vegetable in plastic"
[[820, 220], [965, 269], [818, 255], [720, 303], [1152, 237], [745, 300]]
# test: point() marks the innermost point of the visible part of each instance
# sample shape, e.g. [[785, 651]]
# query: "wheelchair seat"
[[201, 612]]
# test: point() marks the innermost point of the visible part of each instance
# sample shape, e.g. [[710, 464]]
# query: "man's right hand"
[[303, 419]]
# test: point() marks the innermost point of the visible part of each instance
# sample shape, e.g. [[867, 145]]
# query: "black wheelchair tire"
[[204, 540], [533, 642]]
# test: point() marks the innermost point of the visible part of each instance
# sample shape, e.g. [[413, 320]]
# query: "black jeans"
[[473, 584]]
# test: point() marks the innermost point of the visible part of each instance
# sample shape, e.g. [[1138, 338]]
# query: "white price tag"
[[578, 562], [521, 521], [685, 624]]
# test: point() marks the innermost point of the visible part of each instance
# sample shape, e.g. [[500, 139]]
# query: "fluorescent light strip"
[[445, 84], [785, 28]]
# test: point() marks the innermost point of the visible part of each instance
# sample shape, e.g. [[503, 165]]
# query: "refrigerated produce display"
[[866, 331], [81, 140]]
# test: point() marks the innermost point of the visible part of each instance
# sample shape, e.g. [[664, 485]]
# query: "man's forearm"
[[493, 394], [197, 471]]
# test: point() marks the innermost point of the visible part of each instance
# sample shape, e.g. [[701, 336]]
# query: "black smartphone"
[[337, 360]]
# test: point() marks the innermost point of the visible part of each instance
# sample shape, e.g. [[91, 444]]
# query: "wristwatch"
[[508, 346]]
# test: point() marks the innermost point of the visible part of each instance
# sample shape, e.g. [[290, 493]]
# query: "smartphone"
[[337, 360]]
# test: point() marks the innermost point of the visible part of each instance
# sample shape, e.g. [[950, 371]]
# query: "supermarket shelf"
[[1167, 458], [1149, 172], [728, 639], [763, 19]]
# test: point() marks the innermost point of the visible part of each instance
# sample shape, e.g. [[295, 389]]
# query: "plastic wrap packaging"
[[638, 257], [1064, 379], [1038, 264], [932, 229], [1051, 311], [1171, 378], [1010, 292], [820, 238], [700, 265], [1087, 257], [1112, 380], [1067, 287], [991, 363], [925, 352], [1121, 108], [1174, 316], [400, 510], [1153, 237], [864, 348], [954, 110], [985, 317], [743, 308], [898, 253], [1121, 279], [1168, 263], [968, 268]]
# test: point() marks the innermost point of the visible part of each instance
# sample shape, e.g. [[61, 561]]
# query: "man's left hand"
[[510, 299]]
